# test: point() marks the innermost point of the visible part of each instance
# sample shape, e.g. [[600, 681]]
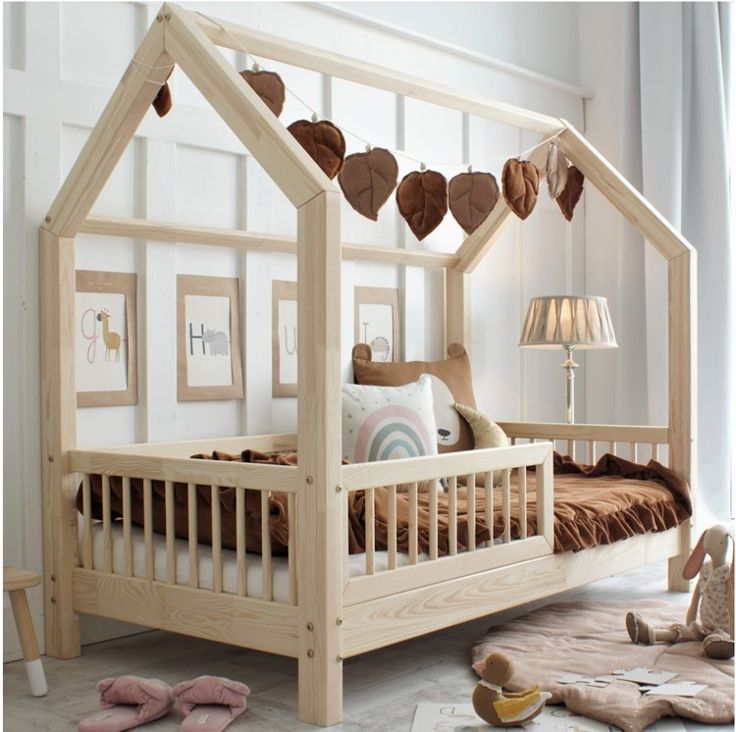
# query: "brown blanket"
[[599, 504]]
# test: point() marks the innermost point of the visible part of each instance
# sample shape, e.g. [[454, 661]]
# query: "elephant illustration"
[[217, 341]]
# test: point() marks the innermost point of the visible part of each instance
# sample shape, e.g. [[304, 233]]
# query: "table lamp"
[[570, 322]]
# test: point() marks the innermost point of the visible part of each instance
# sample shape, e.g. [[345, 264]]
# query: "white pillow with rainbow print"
[[388, 422]]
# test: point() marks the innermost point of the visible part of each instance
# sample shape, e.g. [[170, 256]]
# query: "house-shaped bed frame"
[[328, 616]]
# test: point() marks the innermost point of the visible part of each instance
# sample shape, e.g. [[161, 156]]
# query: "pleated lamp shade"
[[568, 320]]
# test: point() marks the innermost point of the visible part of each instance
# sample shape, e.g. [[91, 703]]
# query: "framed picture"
[[209, 364], [284, 339], [377, 321], [105, 324]]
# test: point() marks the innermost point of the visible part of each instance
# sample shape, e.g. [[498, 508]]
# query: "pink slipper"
[[128, 702], [210, 703]]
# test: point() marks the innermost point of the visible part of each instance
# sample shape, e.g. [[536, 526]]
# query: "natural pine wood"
[[457, 308]]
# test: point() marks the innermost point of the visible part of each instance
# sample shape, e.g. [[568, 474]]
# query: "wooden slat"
[[655, 451], [370, 531], [522, 503], [634, 452], [612, 448], [131, 228], [240, 542], [293, 548], [471, 512], [193, 535], [127, 529], [282, 157], [489, 505], [148, 527], [591, 452], [87, 523], [215, 514], [107, 523], [110, 137], [380, 77], [584, 432], [413, 524], [545, 501], [170, 533], [452, 517], [392, 527], [266, 568], [506, 484], [433, 529]]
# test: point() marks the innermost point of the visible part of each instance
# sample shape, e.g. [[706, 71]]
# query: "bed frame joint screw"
[[167, 16], [48, 219], [51, 458], [310, 653], [339, 621], [338, 487], [310, 480], [310, 627], [53, 601], [159, 17], [339, 658], [53, 578]]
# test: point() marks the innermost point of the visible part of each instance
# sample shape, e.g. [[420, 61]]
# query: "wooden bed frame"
[[329, 616]]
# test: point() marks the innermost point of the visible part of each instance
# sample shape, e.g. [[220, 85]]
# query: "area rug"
[[590, 638]]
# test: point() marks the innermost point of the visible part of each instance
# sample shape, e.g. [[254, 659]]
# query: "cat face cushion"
[[451, 383]]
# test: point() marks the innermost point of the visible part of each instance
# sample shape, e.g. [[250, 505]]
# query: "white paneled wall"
[[61, 62]]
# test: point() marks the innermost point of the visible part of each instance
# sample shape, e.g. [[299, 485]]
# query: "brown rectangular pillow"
[[451, 383]]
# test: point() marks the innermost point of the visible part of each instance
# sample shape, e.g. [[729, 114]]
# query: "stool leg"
[[28, 642]]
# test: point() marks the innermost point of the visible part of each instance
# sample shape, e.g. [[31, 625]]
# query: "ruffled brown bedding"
[[593, 505]]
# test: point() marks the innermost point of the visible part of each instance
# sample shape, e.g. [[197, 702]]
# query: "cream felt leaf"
[[568, 199], [520, 186], [422, 201], [556, 170], [472, 197], [368, 179]]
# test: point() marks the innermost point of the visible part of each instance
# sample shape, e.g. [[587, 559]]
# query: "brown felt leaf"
[[472, 198], [269, 87], [368, 179], [520, 186], [162, 102], [568, 199], [556, 170], [422, 201], [324, 143]]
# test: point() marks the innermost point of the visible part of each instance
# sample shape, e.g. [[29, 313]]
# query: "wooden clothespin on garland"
[[368, 179]]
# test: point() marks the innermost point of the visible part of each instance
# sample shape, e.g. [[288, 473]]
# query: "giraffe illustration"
[[111, 338]]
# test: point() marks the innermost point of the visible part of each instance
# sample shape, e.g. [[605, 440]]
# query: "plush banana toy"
[[500, 708]]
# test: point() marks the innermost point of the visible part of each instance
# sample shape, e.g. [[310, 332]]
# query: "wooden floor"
[[381, 688]]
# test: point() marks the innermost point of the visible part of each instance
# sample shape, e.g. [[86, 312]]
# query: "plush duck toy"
[[500, 708]]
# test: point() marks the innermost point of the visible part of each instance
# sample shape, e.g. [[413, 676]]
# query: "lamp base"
[[569, 365]]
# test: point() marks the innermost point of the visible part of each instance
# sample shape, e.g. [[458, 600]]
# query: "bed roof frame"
[[190, 41]]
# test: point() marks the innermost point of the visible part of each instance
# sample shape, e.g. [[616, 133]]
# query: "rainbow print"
[[392, 432]]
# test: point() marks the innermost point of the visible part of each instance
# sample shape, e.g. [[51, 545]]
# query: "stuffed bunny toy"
[[713, 595]]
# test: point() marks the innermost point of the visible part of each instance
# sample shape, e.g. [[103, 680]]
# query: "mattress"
[[254, 576]]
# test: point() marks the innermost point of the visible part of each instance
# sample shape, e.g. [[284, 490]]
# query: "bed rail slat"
[[452, 510], [293, 587], [87, 523], [240, 539], [634, 452], [148, 526], [433, 529], [489, 505], [370, 531], [193, 535], [471, 512], [106, 523], [522, 503], [591, 452], [267, 586], [506, 506], [655, 451], [170, 533], [392, 527], [413, 524], [215, 514], [127, 534]]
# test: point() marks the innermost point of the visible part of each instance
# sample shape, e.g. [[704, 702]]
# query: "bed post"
[[682, 315], [58, 425], [321, 510], [457, 307]]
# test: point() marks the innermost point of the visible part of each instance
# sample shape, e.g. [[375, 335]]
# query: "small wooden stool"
[[15, 582]]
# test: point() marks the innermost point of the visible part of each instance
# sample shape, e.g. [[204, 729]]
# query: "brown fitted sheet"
[[593, 505]]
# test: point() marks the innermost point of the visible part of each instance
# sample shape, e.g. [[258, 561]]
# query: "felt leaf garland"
[[368, 179], [324, 143], [556, 170], [162, 102], [422, 201], [472, 198], [520, 186], [269, 87], [568, 199]]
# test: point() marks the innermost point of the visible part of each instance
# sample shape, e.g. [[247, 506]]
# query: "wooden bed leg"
[[321, 502], [675, 580], [58, 420]]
